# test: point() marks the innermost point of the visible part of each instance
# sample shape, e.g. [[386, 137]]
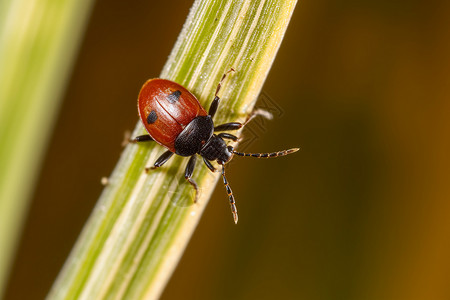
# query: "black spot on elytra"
[[152, 117], [174, 97]]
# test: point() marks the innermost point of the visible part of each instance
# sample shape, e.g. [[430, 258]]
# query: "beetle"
[[175, 119]]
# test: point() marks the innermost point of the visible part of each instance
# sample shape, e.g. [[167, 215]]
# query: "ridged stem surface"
[[142, 222]]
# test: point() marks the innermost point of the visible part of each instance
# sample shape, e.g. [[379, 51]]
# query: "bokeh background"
[[362, 212]]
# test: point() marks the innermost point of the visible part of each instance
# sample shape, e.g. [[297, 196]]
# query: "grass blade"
[[142, 223]]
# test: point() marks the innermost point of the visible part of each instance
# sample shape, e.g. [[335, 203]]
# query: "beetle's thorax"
[[216, 149], [194, 136]]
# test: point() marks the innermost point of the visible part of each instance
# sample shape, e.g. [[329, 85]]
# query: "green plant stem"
[[142, 223]]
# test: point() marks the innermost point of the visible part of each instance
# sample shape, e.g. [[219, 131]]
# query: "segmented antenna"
[[267, 155], [230, 196]]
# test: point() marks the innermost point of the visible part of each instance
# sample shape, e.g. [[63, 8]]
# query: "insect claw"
[[148, 169], [196, 196]]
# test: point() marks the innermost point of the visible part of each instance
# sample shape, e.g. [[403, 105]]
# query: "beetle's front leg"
[[237, 125], [215, 103]]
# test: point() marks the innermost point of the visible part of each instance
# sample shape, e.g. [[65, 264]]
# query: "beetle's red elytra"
[[166, 108], [175, 119]]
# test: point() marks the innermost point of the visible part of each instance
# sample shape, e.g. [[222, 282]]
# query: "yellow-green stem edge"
[[142, 223]]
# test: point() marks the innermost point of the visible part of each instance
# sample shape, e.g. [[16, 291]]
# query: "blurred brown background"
[[362, 212]]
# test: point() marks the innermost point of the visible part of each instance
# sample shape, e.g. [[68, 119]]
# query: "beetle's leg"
[[188, 174], [258, 112], [230, 196], [161, 160], [213, 107], [237, 125], [142, 138], [228, 126], [209, 165], [221, 80], [224, 135], [215, 103]]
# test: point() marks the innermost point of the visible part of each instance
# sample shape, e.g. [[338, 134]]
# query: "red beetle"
[[174, 118]]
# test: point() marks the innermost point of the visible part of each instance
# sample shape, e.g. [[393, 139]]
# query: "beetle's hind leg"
[[188, 174]]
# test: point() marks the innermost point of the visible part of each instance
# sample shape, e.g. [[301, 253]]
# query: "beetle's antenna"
[[230, 196], [267, 155]]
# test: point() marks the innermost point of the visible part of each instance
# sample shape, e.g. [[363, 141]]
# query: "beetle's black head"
[[216, 149]]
